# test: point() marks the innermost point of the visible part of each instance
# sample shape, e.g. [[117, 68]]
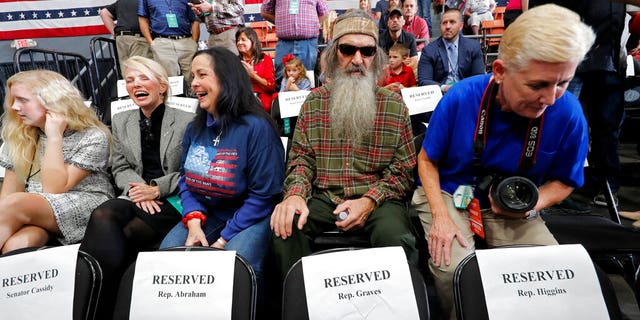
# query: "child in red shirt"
[[397, 75]]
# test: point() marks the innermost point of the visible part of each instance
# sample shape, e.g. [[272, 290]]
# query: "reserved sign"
[[543, 282], [175, 83], [421, 99], [359, 284], [183, 285], [291, 102], [39, 284], [184, 104]]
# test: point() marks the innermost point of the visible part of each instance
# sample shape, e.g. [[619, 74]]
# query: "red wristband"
[[194, 215]]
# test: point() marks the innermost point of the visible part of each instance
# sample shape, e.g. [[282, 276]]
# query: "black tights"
[[114, 236]]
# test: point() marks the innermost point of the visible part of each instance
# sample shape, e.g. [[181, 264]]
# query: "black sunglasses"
[[349, 50], [145, 128]]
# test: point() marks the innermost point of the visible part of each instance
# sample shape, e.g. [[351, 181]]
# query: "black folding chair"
[[285, 126], [244, 288], [471, 303], [87, 284], [294, 299], [106, 67]]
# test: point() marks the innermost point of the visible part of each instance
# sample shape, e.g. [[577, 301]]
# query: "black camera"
[[510, 193]]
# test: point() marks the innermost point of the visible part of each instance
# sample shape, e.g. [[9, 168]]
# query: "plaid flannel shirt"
[[303, 25], [380, 169], [226, 13]]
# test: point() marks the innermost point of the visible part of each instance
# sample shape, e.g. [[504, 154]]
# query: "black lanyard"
[[531, 140]]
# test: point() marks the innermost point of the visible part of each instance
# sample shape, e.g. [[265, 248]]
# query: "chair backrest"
[[492, 30], [104, 61], [498, 13], [88, 283], [244, 288], [471, 303], [294, 299], [261, 28]]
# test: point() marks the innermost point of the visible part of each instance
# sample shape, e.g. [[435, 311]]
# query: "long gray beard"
[[352, 105]]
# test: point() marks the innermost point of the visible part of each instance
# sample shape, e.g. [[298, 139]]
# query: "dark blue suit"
[[433, 67]]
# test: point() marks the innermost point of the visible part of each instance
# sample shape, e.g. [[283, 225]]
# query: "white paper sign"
[[184, 104], [546, 282], [183, 285], [121, 106], [175, 83], [290, 102], [421, 99], [284, 140], [39, 284], [630, 72], [359, 284]]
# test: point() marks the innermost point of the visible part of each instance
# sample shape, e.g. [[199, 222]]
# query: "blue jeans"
[[424, 11], [251, 243], [306, 50]]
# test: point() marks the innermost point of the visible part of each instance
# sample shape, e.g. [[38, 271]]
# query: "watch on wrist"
[[532, 215]]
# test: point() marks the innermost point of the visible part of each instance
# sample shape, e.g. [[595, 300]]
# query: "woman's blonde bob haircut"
[[548, 33], [56, 94], [151, 69]]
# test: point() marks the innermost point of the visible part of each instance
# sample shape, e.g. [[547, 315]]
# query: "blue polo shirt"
[[449, 139], [156, 11]]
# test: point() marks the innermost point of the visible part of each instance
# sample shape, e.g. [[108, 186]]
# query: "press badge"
[[475, 218], [462, 196], [294, 6], [172, 20]]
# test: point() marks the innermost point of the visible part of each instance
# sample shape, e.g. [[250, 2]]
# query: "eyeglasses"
[[146, 130], [349, 50]]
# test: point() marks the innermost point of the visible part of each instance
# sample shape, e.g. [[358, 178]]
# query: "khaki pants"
[[225, 39], [499, 231], [129, 46], [175, 55]]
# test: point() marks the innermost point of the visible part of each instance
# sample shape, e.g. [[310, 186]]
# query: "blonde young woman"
[[55, 154]]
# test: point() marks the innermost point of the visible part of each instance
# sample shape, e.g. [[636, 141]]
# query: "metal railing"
[[72, 66], [104, 60]]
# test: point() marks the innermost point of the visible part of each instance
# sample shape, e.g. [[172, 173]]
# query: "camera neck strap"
[[532, 138]]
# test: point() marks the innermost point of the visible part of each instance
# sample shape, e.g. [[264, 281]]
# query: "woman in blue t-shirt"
[[232, 163]]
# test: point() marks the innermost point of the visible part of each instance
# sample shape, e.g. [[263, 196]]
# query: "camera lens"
[[515, 194]]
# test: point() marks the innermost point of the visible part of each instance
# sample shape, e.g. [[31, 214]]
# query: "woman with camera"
[[515, 122]]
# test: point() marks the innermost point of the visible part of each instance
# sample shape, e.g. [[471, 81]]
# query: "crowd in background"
[[225, 164]]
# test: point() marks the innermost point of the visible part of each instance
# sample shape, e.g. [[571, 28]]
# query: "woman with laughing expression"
[[233, 163], [145, 161]]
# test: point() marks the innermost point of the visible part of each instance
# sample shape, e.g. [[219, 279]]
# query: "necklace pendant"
[[216, 141]]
